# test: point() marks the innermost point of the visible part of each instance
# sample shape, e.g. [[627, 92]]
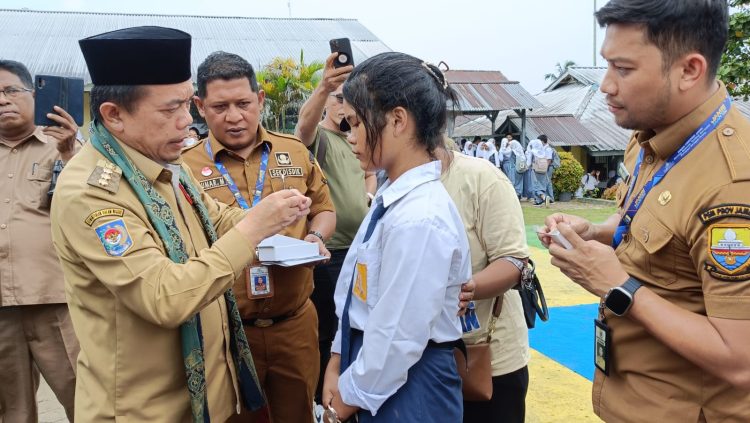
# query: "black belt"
[[448, 345], [264, 323]]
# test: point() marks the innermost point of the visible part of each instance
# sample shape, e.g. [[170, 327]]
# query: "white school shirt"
[[416, 260]]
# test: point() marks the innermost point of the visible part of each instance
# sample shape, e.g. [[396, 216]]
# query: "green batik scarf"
[[162, 218]]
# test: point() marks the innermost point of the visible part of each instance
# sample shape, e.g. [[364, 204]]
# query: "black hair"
[[125, 96], [542, 138], [18, 69], [477, 138], [675, 27], [224, 66], [389, 80]]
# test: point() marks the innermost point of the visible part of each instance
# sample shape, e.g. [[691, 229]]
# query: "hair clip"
[[442, 81]]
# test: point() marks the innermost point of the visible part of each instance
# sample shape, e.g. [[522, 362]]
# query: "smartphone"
[[343, 47], [53, 91]]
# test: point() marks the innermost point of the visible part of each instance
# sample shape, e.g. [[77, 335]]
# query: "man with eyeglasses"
[[36, 334]]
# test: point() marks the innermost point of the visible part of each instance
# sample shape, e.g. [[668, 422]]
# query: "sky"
[[524, 39]]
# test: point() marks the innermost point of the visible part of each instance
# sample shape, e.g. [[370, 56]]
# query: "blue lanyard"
[[233, 186], [699, 135]]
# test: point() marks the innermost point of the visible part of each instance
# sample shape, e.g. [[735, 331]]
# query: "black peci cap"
[[144, 55]]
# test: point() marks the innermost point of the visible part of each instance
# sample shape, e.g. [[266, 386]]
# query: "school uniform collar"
[[665, 143], [412, 178]]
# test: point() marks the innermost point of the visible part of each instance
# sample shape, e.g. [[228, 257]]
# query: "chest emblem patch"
[[283, 159], [729, 248], [114, 237]]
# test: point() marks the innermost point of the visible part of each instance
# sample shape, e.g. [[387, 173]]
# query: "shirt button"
[[266, 309], [3, 226], [10, 175], [649, 159], [14, 151], [7, 200], [728, 131]]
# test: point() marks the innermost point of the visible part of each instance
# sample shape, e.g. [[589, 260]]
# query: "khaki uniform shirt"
[[492, 216], [291, 286], [29, 269], [348, 192], [127, 306], [675, 246]]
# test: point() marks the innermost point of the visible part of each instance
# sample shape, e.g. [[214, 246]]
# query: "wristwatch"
[[620, 298]]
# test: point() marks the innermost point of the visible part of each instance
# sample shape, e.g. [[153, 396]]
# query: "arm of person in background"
[[146, 280], [502, 233], [311, 112], [65, 134]]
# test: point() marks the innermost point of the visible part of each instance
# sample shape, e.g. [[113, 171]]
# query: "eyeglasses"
[[339, 97], [13, 92]]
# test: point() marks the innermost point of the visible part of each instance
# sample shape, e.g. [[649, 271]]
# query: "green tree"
[[735, 66], [560, 69], [287, 85]]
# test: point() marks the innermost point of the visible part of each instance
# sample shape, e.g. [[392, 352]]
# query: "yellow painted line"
[[557, 394], [558, 289]]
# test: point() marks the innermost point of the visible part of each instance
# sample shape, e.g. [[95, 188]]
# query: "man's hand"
[[65, 133], [333, 77], [582, 227], [465, 296], [591, 264], [322, 250], [274, 213]]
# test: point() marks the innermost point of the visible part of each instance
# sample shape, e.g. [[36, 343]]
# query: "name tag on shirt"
[[360, 282]]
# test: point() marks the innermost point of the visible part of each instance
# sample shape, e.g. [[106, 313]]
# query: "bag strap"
[[497, 308]]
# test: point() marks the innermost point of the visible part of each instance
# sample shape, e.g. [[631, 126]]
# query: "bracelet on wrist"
[[317, 234]]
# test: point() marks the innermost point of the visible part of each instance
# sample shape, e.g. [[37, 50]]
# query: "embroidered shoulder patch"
[[723, 211], [729, 252], [102, 213], [114, 237], [283, 159]]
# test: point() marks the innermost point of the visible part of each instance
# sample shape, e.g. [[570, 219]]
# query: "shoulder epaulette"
[[734, 138], [193, 145], [283, 135], [106, 175]]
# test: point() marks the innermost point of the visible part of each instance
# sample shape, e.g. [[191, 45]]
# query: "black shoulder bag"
[[532, 296]]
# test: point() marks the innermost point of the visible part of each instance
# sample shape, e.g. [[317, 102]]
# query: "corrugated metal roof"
[[562, 130], [579, 75], [469, 126], [47, 42], [577, 92], [474, 76], [487, 97]]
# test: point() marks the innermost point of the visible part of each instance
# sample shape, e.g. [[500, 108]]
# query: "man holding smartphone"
[[36, 334]]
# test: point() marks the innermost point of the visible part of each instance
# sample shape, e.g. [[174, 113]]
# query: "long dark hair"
[[389, 80]]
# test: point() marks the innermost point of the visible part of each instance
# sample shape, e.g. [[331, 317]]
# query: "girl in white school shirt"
[[396, 297]]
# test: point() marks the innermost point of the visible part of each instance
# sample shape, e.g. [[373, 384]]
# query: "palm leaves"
[[287, 85], [561, 68]]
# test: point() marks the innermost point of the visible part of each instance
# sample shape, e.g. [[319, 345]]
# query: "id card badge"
[[258, 283], [602, 342], [623, 173]]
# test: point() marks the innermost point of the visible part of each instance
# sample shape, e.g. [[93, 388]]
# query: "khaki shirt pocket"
[[654, 242], [35, 192], [366, 275]]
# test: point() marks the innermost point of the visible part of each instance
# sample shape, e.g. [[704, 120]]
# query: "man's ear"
[[199, 105], [111, 115], [693, 71]]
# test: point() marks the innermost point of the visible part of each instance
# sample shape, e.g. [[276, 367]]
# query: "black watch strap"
[[631, 285]]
